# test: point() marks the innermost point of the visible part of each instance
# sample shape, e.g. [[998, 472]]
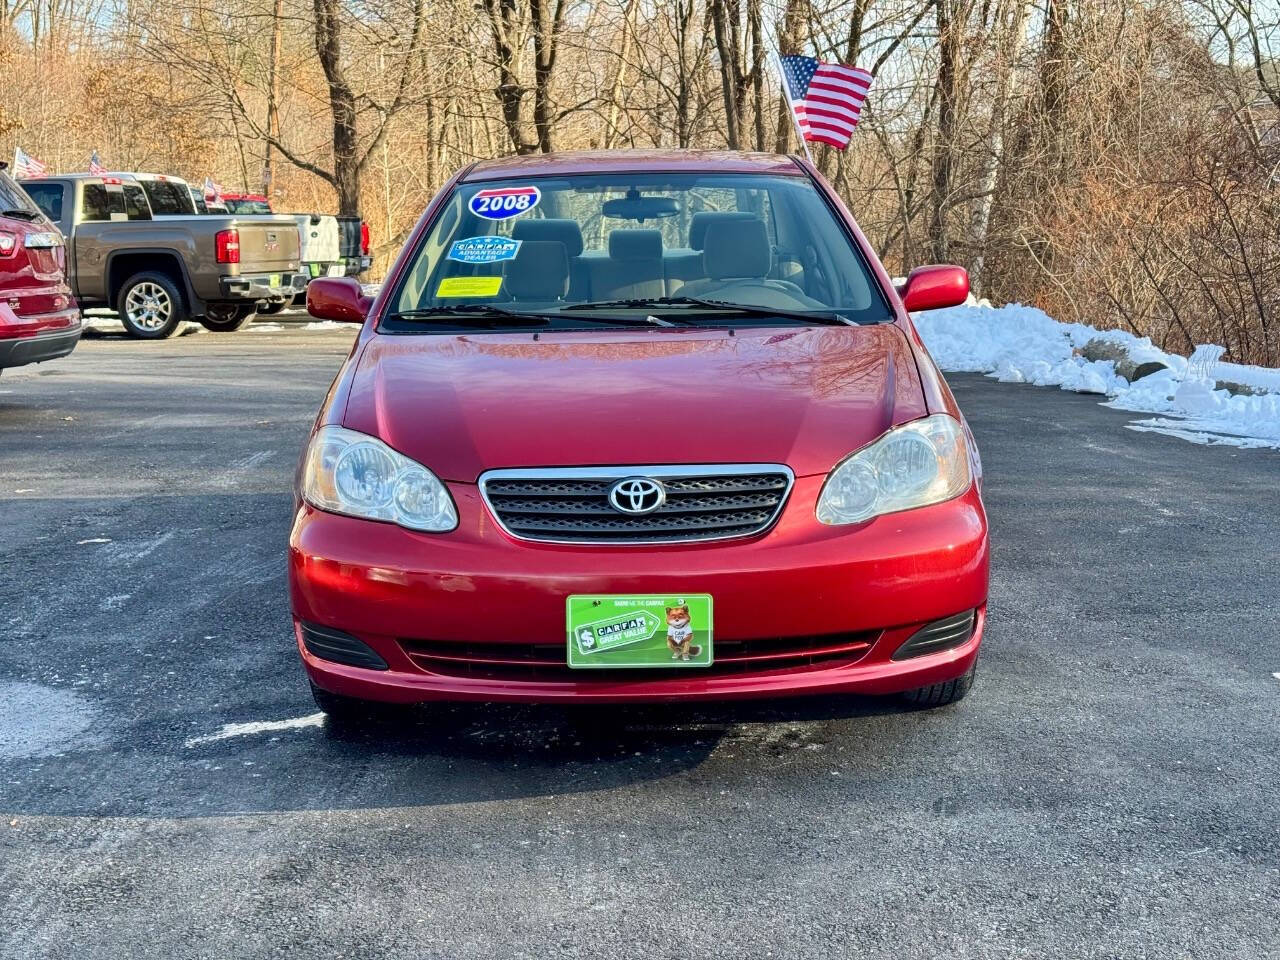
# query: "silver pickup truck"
[[157, 269]]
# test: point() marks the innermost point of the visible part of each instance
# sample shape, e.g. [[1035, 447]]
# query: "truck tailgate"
[[319, 238], [267, 245]]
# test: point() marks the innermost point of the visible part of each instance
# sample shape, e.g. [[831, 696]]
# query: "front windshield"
[[554, 246]]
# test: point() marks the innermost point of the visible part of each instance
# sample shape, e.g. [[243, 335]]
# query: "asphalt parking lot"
[[1108, 790]]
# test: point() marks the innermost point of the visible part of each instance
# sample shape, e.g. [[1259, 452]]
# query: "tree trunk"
[[684, 27], [546, 31], [790, 42], [755, 24], [989, 171], [1053, 72], [273, 98], [342, 104], [610, 137], [504, 19], [728, 83], [950, 26]]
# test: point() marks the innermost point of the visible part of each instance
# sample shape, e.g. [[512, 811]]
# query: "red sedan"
[[39, 319], [638, 426]]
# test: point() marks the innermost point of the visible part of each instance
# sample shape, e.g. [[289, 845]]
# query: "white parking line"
[[260, 726]]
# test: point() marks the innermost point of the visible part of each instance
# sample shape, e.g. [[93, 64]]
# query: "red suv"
[[39, 319], [638, 426]]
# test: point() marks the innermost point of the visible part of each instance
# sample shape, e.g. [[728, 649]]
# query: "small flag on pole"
[[25, 165], [211, 190], [825, 97], [95, 165]]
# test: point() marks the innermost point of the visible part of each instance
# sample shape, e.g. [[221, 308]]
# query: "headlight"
[[353, 473], [919, 463]]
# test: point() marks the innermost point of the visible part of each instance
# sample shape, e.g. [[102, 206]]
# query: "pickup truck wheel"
[[225, 317], [150, 306]]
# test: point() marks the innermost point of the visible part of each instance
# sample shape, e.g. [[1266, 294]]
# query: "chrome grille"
[[571, 504]]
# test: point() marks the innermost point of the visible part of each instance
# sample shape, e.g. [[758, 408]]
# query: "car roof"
[[137, 175], [84, 176], [634, 161]]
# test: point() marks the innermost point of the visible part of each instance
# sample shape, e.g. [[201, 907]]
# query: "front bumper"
[[401, 592], [263, 286], [36, 339]]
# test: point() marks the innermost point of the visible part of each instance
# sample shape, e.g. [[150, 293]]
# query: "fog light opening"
[[326, 643], [939, 635]]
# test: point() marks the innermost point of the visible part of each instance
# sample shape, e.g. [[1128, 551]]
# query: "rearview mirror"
[[935, 287], [635, 206], [337, 298]]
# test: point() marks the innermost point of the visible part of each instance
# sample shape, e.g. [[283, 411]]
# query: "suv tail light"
[[8, 244], [364, 238], [227, 245]]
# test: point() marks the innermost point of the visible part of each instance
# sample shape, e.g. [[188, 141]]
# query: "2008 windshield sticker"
[[484, 249], [504, 203]]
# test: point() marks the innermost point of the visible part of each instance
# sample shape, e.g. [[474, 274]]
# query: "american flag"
[[212, 191], [826, 97], [95, 165], [25, 165]]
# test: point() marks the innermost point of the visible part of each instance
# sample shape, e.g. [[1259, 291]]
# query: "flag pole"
[[791, 107]]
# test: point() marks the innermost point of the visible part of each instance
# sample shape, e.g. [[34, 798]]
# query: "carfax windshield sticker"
[[469, 287], [504, 203], [484, 249], [639, 631]]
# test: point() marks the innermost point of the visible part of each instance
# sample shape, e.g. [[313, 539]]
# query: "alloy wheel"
[[148, 306]]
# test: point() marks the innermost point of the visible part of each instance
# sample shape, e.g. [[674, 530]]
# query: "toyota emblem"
[[637, 495]]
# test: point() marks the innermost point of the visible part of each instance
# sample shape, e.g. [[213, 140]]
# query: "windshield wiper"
[[490, 315], [722, 306], [481, 314], [21, 214]]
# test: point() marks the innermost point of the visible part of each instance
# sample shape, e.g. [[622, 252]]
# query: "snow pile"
[[1018, 344]]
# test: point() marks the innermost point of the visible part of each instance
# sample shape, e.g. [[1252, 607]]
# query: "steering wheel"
[[781, 288]]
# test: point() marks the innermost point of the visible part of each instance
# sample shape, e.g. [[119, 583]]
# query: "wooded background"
[[1114, 162]]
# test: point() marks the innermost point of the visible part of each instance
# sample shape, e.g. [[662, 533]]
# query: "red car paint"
[[39, 319], [804, 396]]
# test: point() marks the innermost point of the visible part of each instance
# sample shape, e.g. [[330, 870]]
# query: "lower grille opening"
[[338, 647], [533, 662], [938, 635]]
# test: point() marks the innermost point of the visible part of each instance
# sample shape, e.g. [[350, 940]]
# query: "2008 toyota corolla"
[[638, 426]]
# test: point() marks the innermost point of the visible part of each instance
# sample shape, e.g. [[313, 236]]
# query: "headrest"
[[699, 222], [540, 271], [563, 231], [737, 248], [635, 245]]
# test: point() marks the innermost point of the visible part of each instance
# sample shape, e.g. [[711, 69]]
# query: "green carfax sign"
[[639, 630]]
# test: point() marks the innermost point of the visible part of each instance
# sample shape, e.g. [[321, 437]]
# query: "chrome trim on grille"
[[672, 508]]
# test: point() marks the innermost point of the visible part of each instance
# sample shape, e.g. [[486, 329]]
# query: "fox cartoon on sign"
[[680, 633]]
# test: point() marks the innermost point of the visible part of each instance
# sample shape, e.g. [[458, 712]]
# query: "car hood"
[[805, 397]]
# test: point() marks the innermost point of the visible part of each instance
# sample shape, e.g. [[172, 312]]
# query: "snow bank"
[[1018, 344]]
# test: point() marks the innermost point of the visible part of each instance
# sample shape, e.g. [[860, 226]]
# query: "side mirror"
[[931, 288], [337, 298]]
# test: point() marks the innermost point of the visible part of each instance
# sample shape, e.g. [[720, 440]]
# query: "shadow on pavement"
[[449, 754]]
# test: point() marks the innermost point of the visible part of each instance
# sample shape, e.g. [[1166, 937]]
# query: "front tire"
[[225, 317], [940, 694], [150, 306]]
